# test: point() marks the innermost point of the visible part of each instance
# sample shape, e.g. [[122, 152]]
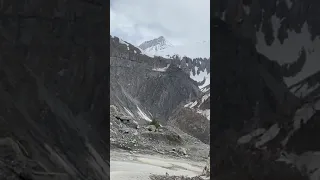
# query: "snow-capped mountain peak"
[[161, 47], [155, 45]]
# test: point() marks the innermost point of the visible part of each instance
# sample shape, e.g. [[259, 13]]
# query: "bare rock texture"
[[54, 86]]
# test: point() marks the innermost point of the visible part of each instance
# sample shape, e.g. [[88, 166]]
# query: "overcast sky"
[[179, 21]]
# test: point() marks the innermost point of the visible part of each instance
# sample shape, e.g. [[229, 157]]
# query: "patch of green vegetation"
[[155, 123]]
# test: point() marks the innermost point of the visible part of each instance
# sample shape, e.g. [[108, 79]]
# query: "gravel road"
[[131, 166]]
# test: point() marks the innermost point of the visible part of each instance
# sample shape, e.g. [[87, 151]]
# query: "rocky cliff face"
[[54, 90], [262, 111], [147, 87], [152, 88], [194, 117]]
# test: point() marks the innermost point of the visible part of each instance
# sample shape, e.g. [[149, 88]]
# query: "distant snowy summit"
[[155, 45], [162, 47]]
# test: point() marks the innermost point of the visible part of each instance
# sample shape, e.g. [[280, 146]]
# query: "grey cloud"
[[179, 20]]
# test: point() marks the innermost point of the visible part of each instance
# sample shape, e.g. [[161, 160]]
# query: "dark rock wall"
[[249, 90], [54, 84]]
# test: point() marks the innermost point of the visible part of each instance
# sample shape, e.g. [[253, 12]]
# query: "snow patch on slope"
[[164, 69], [304, 89], [191, 104], [265, 135], [128, 111], [301, 116], [196, 104], [200, 77], [143, 53], [309, 161], [157, 48], [205, 113], [205, 97], [268, 135], [125, 43], [247, 138], [192, 50], [143, 115], [205, 89], [289, 51]]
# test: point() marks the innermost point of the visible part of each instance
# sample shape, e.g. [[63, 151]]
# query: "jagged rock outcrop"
[[54, 88]]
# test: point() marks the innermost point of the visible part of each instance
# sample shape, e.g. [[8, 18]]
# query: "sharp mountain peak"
[[158, 43]]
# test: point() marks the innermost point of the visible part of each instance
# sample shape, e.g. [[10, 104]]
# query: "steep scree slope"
[[152, 86], [194, 116]]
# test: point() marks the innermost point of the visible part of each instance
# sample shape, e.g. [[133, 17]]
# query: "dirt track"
[[129, 166]]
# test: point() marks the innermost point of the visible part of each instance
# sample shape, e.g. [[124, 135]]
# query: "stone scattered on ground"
[[152, 128], [125, 134], [149, 139], [183, 150], [167, 177]]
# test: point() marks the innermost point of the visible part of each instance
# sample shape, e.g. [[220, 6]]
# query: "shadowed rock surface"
[[54, 90], [264, 117]]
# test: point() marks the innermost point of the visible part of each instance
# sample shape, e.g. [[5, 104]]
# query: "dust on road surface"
[[126, 166]]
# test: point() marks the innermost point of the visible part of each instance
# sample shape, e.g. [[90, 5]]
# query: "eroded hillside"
[[54, 90]]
